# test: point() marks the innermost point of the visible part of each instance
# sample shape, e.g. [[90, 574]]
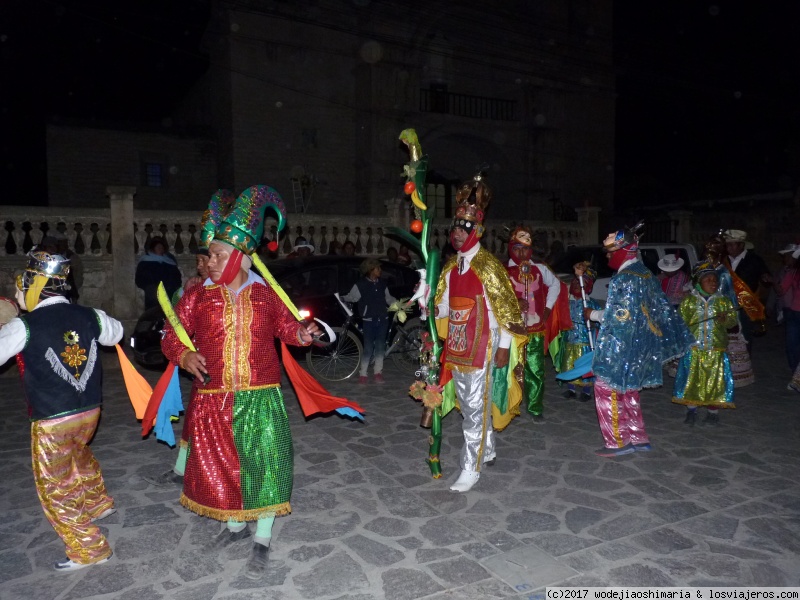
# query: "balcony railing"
[[463, 105], [109, 254]]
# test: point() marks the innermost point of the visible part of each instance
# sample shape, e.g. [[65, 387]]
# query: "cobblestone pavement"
[[707, 507]]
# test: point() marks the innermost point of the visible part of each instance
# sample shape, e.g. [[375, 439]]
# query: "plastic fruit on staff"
[[416, 226], [409, 187]]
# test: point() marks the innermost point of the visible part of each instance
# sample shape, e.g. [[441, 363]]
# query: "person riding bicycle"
[[373, 297]]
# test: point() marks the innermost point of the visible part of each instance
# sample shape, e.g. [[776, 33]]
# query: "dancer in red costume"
[[240, 447]]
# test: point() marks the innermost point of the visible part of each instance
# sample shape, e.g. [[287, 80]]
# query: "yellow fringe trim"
[[220, 514], [248, 389]]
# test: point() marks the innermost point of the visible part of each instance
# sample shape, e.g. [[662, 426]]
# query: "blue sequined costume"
[[576, 340], [640, 331]]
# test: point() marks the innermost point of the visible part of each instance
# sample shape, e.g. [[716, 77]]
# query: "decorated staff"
[[427, 389]]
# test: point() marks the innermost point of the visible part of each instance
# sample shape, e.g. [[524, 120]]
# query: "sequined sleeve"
[[172, 347], [286, 327]]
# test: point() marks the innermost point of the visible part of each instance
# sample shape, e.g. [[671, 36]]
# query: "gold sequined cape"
[[504, 304]]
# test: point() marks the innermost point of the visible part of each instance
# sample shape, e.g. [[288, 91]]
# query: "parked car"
[[310, 282], [650, 253]]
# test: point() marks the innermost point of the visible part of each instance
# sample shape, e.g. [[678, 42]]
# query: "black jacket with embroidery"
[[60, 364]]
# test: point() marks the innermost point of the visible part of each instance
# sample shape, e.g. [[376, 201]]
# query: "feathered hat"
[[472, 199], [627, 238], [241, 224]]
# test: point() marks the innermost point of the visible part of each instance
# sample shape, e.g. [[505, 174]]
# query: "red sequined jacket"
[[235, 333]]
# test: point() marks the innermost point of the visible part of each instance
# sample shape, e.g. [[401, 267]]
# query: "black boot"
[[691, 416], [712, 419], [167, 479], [225, 538], [257, 563]]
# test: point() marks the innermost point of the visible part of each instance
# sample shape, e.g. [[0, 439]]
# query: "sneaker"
[[106, 513], [490, 460], [793, 387], [642, 447], [569, 394], [257, 562], [225, 538], [712, 419], [691, 417], [612, 452], [363, 380], [465, 481], [378, 378], [168, 479], [71, 565], [538, 419], [585, 397]]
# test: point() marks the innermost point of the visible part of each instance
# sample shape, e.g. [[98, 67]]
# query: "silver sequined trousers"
[[473, 390]]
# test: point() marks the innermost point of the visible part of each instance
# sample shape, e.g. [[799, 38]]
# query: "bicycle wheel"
[[406, 346], [337, 361]]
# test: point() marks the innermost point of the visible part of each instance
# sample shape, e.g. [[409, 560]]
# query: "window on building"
[[154, 175], [153, 169]]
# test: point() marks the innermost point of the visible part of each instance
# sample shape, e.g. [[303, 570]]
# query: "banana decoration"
[[415, 172], [418, 201]]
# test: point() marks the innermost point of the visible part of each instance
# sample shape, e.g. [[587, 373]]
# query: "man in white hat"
[[674, 282], [301, 248], [749, 267]]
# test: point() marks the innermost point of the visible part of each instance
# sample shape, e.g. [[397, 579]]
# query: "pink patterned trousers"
[[620, 416]]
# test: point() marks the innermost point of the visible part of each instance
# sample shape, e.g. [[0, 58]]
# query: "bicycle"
[[340, 360]]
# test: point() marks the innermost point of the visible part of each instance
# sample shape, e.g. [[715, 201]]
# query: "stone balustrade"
[[108, 275]]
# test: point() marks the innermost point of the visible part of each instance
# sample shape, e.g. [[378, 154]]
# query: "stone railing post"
[[124, 256], [589, 219], [681, 226]]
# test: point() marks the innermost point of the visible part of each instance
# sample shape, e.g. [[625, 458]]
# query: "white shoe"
[[106, 513], [465, 481], [70, 565]]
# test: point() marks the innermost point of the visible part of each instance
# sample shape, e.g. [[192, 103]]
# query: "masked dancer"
[[56, 345]]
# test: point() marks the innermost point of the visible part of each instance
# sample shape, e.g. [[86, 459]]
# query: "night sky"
[[707, 93]]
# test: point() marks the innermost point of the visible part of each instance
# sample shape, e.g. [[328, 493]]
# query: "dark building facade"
[[310, 97]]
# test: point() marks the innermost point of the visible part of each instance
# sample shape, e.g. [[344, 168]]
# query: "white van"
[[650, 255]]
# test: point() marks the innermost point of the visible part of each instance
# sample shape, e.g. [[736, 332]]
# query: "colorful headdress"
[[715, 247], [472, 199], [45, 275], [521, 235], [242, 226], [217, 210], [701, 269], [589, 273], [626, 238]]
